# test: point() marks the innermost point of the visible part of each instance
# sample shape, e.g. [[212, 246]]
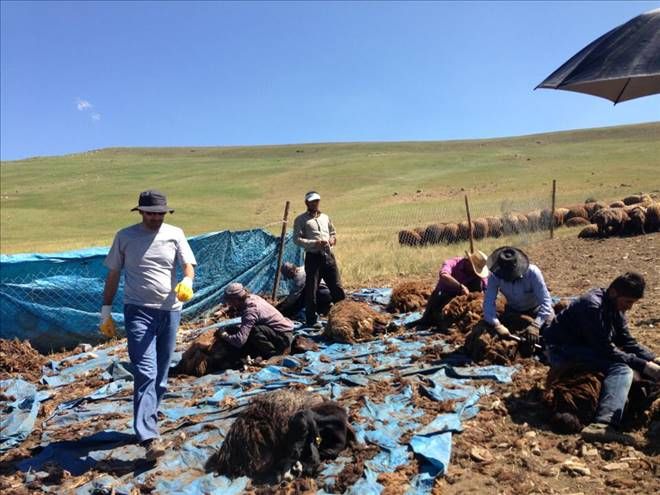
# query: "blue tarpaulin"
[[197, 413], [53, 300]]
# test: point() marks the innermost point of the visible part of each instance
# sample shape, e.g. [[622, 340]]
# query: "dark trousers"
[[263, 342], [323, 301], [320, 266]]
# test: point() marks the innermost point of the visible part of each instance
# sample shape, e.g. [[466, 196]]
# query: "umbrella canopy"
[[620, 65]]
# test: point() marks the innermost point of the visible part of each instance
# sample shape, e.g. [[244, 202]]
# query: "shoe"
[[154, 448], [601, 432]]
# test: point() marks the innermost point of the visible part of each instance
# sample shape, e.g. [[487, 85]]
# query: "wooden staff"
[[280, 251], [552, 213], [467, 209]]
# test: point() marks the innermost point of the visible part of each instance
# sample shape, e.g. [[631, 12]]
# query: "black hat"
[[153, 201], [508, 263]]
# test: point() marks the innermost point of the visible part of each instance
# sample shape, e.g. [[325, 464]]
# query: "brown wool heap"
[[351, 321], [409, 296]]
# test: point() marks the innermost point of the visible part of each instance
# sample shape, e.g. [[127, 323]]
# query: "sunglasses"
[[154, 213]]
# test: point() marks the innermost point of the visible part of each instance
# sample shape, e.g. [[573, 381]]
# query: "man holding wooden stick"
[[314, 232]]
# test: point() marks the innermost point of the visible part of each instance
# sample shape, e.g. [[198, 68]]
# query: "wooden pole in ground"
[[280, 251], [467, 209], [552, 213]]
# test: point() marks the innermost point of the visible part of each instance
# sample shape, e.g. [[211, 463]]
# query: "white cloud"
[[83, 105], [96, 116]]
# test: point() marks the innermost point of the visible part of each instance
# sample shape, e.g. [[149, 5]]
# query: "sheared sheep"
[[610, 221], [633, 199], [636, 220], [464, 231], [451, 233], [494, 226], [576, 211], [422, 234], [653, 218], [206, 354], [560, 216], [409, 296], [409, 238], [617, 204], [480, 228], [523, 223], [435, 233], [571, 393], [594, 206], [534, 220], [280, 431], [510, 224], [483, 344], [589, 232], [352, 321], [576, 222]]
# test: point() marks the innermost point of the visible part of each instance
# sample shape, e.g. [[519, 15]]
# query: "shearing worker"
[[263, 332], [314, 232], [148, 254], [528, 307], [459, 275], [295, 301], [593, 332]]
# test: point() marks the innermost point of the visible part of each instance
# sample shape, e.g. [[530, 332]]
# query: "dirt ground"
[[508, 447]]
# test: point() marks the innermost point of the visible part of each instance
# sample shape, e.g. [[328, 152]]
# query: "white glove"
[[106, 312], [502, 331], [652, 370]]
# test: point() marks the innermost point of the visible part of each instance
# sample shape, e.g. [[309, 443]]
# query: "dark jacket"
[[592, 321]]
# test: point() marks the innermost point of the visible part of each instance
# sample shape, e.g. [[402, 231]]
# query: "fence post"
[[280, 251], [469, 219], [552, 213]]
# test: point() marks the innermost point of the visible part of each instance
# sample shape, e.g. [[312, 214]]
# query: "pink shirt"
[[258, 311], [461, 269]]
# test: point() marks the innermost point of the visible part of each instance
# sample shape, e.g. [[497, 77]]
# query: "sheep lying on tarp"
[[409, 296], [483, 344], [465, 311], [280, 434], [206, 354], [572, 393], [352, 321]]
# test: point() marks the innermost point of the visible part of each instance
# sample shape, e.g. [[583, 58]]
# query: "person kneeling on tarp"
[[458, 276], [263, 332], [528, 307], [593, 332], [295, 301]]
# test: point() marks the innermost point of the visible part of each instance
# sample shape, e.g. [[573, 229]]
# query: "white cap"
[[312, 196]]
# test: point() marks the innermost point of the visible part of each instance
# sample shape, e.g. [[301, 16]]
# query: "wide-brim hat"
[[479, 262], [153, 201], [508, 263]]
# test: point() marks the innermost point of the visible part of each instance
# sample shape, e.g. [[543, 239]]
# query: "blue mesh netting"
[[53, 300]]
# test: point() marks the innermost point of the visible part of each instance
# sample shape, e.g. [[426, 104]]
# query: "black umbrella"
[[620, 65]]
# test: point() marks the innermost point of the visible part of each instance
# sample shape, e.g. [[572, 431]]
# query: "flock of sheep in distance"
[[634, 215]]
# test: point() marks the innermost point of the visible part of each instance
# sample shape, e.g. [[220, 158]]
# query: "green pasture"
[[371, 190]]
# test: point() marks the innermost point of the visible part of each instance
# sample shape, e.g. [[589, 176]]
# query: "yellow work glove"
[[183, 289], [107, 324]]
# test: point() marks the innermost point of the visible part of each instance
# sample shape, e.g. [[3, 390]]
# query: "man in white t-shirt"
[[148, 254]]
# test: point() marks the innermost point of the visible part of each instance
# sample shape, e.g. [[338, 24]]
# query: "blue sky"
[[87, 75]]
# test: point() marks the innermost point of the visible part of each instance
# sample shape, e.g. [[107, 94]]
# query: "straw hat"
[[478, 261]]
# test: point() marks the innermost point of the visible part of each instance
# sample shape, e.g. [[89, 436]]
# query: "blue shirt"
[[523, 294], [593, 321]]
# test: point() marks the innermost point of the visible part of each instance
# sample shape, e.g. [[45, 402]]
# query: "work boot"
[[154, 449], [602, 432]]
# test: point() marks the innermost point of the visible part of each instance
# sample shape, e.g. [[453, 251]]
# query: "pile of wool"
[[465, 311], [206, 354], [483, 344], [19, 357], [409, 296], [571, 394], [352, 321]]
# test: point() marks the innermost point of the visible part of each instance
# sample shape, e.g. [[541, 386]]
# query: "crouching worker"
[[593, 332], [263, 332], [528, 307], [295, 301], [458, 276]]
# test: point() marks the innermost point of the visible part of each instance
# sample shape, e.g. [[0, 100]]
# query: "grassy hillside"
[[370, 189]]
